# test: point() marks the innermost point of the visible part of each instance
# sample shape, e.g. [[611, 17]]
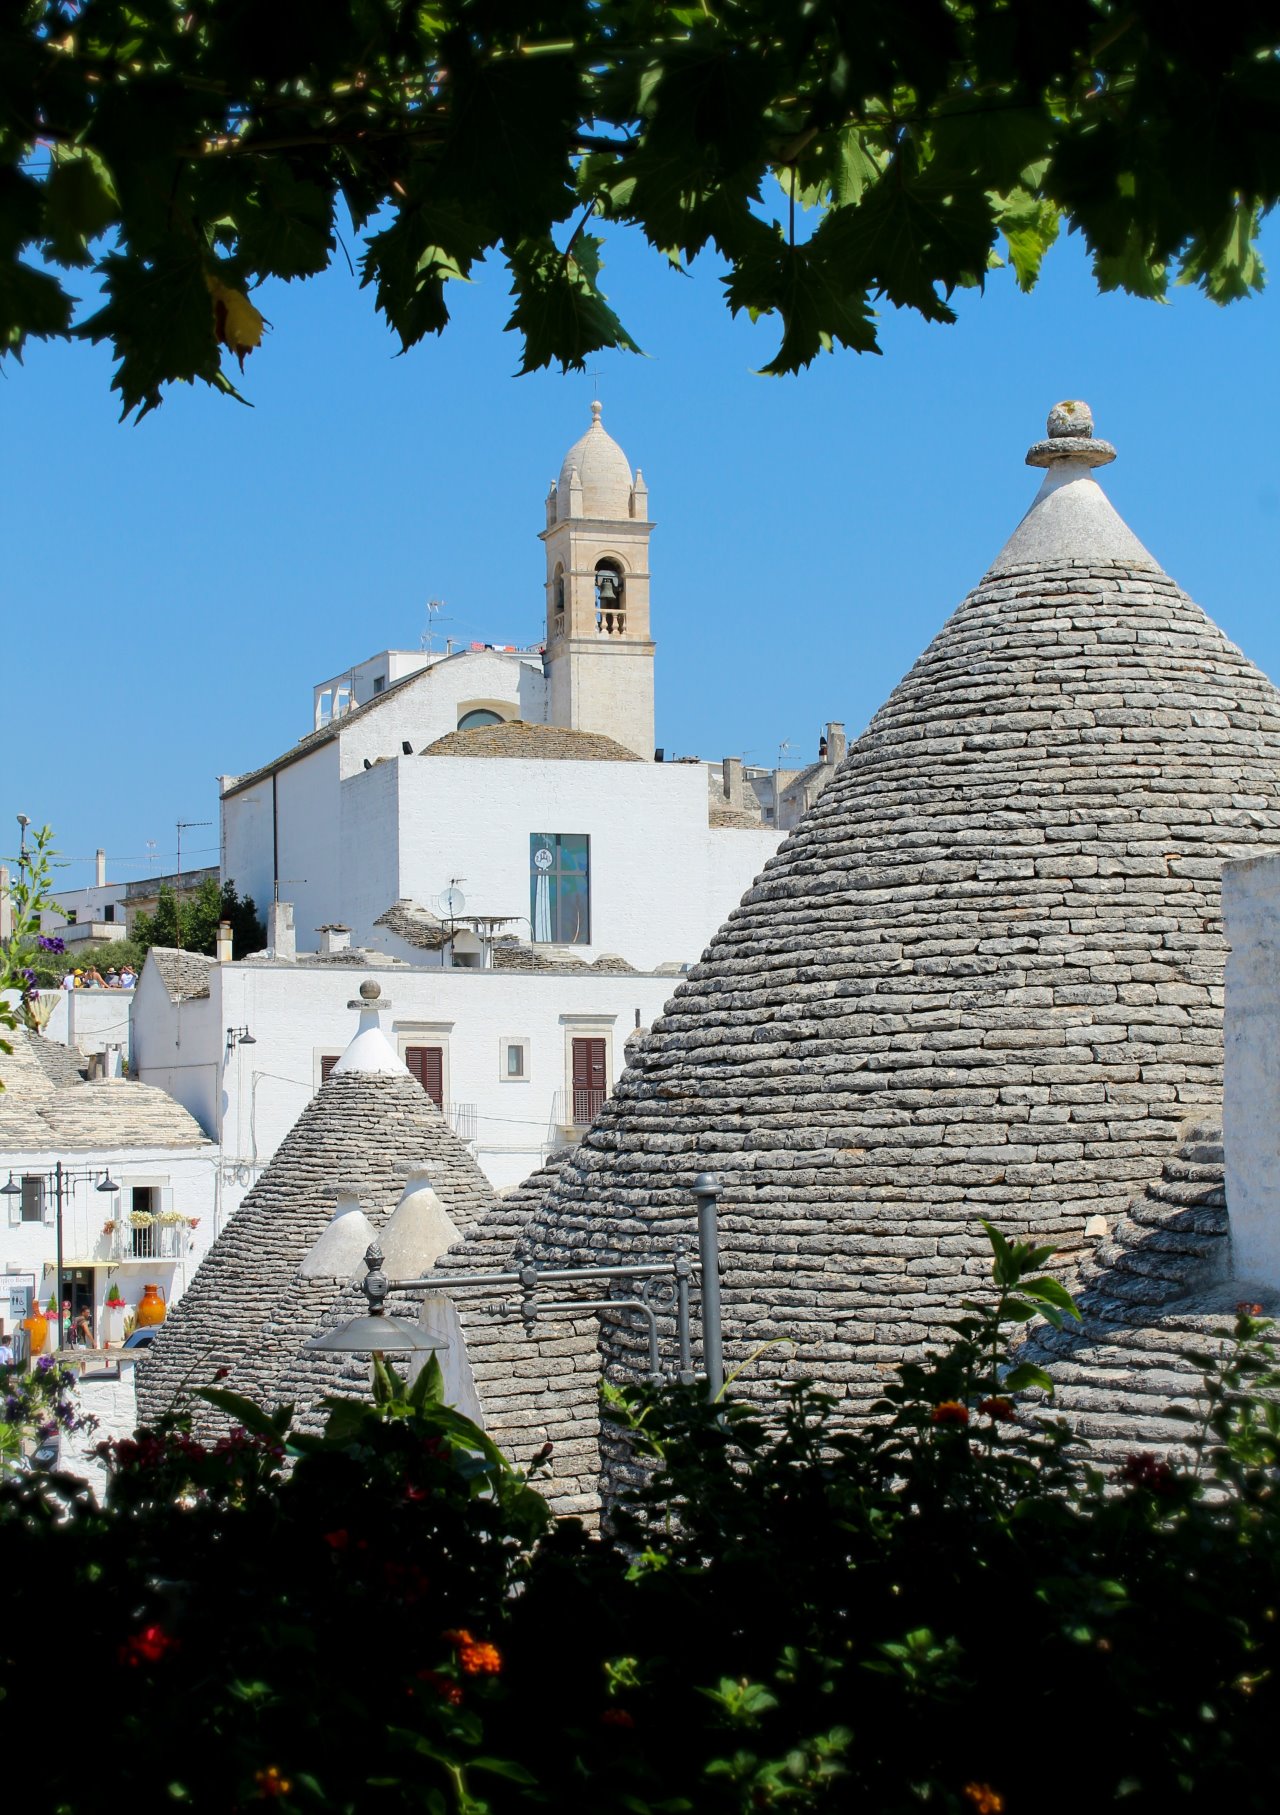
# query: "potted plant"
[[113, 1316]]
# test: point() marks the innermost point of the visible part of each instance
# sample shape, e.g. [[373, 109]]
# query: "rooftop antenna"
[[427, 640], [783, 747], [151, 854], [184, 825]]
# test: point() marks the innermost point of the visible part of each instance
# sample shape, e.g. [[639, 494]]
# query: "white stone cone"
[[339, 1253], [418, 1231]]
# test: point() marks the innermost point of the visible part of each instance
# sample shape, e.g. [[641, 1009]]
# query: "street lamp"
[[239, 1036], [64, 1180], [657, 1287], [377, 1332]]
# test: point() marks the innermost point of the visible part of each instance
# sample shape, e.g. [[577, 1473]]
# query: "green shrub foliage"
[[947, 1610]]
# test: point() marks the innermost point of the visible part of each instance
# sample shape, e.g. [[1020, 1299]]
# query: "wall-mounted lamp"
[[12, 1189], [108, 1184], [239, 1036]]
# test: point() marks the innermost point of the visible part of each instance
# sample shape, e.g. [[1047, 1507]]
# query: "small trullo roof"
[[248, 1307], [982, 978]]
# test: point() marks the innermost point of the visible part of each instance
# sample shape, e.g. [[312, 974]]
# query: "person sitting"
[[93, 979], [69, 981], [113, 978], [128, 977]]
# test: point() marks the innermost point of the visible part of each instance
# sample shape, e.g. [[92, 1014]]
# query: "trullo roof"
[[248, 1307], [982, 978]]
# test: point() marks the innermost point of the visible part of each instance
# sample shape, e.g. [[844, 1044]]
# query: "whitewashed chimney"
[[280, 935], [224, 942], [837, 744], [100, 869], [1251, 1077], [335, 938]]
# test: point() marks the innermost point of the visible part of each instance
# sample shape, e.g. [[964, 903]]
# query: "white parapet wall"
[[1251, 1081]]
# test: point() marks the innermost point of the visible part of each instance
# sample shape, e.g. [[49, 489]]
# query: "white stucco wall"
[[1251, 1078], [29, 1249], [92, 1019], [177, 1045], [662, 881], [298, 1014]]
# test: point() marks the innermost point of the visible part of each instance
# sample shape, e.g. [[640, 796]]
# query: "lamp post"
[[239, 1036], [660, 1286], [64, 1180]]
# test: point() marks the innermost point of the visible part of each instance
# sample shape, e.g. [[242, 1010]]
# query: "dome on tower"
[[603, 473]]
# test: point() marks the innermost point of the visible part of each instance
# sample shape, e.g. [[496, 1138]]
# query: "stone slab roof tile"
[[982, 978], [247, 1309], [544, 743], [184, 974], [415, 925]]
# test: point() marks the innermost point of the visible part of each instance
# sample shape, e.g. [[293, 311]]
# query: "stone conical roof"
[[982, 978], [248, 1308]]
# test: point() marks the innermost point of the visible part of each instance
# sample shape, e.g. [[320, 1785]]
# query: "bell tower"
[[599, 652]]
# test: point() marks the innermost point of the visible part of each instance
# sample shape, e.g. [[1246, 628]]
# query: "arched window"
[[470, 721], [557, 601], [611, 609]]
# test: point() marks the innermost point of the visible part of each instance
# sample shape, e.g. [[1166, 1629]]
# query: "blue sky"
[[174, 589]]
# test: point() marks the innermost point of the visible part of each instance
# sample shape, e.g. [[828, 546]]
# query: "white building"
[[524, 779], [149, 1224], [518, 1060]]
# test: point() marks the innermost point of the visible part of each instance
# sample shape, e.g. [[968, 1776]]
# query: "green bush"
[[945, 1611]]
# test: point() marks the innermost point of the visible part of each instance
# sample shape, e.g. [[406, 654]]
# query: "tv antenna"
[[783, 747], [427, 640], [184, 825]]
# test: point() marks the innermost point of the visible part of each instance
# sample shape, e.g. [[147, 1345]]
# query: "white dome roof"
[[603, 472]]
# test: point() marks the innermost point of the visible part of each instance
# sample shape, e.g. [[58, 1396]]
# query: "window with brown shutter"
[[589, 1089], [327, 1062], [426, 1064]]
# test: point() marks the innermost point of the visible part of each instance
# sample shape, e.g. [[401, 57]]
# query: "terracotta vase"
[[151, 1307], [37, 1328]]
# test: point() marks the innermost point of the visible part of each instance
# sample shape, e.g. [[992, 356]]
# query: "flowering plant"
[[37, 1405], [115, 1298], [109, 1227], [141, 1219], [171, 1218]]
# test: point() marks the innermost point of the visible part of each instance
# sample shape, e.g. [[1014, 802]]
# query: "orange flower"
[[1000, 1411], [476, 1657], [984, 1799], [271, 1783], [950, 1411]]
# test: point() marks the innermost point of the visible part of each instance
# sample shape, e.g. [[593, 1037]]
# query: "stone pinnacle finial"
[[370, 990], [596, 409], [1070, 427], [370, 998]]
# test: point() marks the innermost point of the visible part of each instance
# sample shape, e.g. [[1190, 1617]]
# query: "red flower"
[[950, 1411], [271, 1783], [1247, 1310], [405, 1579], [444, 1686], [337, 1540], [985, 1800], [148, 1646], [1145, 1470], [1000, 1411], [617, 1717]]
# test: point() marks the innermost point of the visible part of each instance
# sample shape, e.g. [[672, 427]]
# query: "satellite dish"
[[453, 901]]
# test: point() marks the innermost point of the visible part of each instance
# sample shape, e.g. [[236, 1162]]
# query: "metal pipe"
[[651, 1270], [62, 1334], [610, 1304], [706, 1188], [683, 1270]]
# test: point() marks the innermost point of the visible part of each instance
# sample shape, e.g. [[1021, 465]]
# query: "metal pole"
[[58, 1262], [706, 1189]]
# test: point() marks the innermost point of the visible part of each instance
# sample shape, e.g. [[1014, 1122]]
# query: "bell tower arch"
[[599, 650]]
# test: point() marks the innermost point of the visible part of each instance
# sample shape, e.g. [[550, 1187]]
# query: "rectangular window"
[[426, 1064], [560, 887], [32, 1199], [513, 1059], [379, 683]]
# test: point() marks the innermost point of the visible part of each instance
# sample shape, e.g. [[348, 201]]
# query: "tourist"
[[93, 979], [127, 977], [82, 1331], [69, 981], [6, 1351]]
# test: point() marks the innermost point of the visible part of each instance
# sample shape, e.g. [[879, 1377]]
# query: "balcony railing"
[[577, 1108], [461, 1117], [150, 1241]]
